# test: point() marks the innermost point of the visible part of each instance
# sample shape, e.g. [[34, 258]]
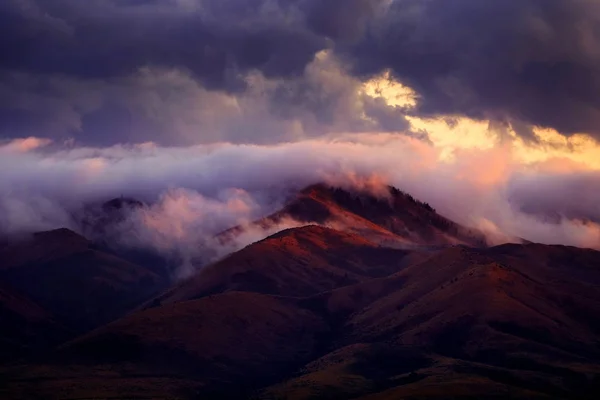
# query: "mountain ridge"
[[336, 310], [398, 218]]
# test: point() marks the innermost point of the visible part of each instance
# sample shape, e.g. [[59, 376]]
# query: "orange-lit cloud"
[[24, 145], [490, 188], [451, 134]]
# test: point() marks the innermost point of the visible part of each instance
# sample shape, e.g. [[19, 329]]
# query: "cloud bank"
[[212, 111], [198, 191]]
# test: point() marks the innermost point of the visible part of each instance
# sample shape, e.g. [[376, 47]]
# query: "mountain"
[[192, 339], [108, 225], [295, 262], [512, 321], [79, 285], [389, 217], [472, 323], [26, 327], [400, 303], [99, 219]]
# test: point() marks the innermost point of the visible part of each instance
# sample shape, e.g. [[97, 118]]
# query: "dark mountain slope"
[[463, 322], [226, 343], [41, 247], [295, 262], [490, 325], [320, 313], [81, 286], [26, 328]]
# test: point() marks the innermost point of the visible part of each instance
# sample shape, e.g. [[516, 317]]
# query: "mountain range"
[[369, 296]]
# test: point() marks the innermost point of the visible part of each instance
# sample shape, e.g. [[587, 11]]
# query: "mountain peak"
[[45, 245], [381, 196], [59, 234], [384, 215], [120, 203]]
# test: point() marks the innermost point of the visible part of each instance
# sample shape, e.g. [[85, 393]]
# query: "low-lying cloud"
[[184, 226], [196, 192], [234, 105]]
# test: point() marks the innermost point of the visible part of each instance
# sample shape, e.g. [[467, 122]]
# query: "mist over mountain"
[[203, 190]]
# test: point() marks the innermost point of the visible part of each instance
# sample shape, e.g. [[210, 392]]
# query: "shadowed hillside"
[[320, 313], [26, 327], [81, 286], [295, 262]]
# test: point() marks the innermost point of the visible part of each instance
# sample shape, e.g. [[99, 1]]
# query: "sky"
[[489, 110]]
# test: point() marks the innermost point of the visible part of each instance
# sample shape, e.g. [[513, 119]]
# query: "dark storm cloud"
[[100, 39], [533, 61], [76, 68], [550, 196], [132, 71], [340, 19]]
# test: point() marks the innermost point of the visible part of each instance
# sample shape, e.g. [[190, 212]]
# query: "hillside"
[[26, 327], [477, 323], [389, 217], [474, 322], [315, 312], [295, 262], [79, 285]]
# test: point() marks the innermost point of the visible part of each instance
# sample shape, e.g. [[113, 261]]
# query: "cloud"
[[118, 71], [558, 195], [341, 19], [23, 145], [198, 71], [526, 63], [170, 107], [213, 111], [215, 40], [183, 226], [207, 188]]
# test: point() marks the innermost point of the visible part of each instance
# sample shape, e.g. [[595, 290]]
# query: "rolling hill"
[[80, 286], [26, 327], [397, 302], [295, 262]]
